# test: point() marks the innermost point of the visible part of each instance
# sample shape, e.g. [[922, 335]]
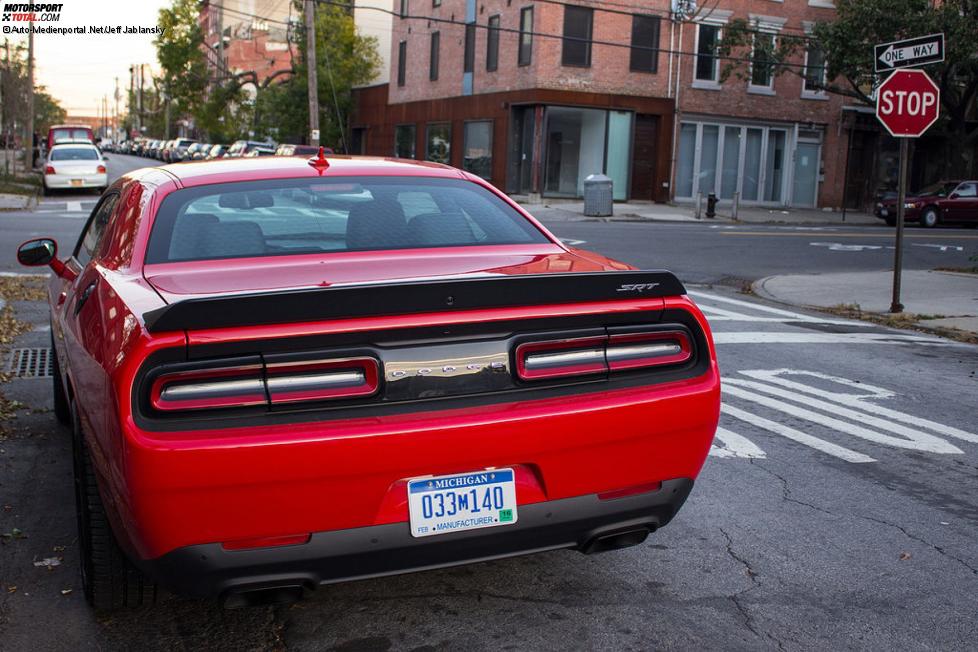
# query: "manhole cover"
[[30, 363]]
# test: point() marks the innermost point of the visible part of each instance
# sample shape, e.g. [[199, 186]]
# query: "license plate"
[[456, 503], [77, 182], [884, 212]]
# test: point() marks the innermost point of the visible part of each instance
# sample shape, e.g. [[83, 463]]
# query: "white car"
[[75, 166]]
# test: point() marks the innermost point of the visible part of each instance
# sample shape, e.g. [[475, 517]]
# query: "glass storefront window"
[[730, 170], [438, 139], [575, 140], [619, 149], [477, 148], [708, 159], [687, 152], [774, 166], [404, 141], [752, 165]]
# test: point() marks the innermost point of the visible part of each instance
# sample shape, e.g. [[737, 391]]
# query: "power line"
[[511, 30]]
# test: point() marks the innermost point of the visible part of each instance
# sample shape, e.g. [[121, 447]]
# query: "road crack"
[[786, 490], [940, 550], [736, 598]]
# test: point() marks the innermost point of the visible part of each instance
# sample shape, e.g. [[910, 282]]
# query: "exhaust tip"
[[241, 598], [616, 540]]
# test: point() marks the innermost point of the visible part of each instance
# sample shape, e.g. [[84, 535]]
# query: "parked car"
[[201, 152], [178, 152], [301, 150], [280, 406], [58, 134], [241, 147], [74, 166], [217, 151], [941, 202], [166, 151], [255, 152], [192, 149]]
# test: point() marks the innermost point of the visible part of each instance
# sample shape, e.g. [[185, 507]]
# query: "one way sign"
[[911, 52]]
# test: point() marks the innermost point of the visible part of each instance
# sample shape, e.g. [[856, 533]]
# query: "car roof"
[[73, 144], [284, 167], [69, 127]]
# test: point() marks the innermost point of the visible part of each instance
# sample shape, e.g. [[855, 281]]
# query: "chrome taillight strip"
[[537, 361], [637, 351], [212, 390], [307, 383]]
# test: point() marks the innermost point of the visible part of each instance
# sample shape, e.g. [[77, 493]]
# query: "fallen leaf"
[[48, 561], [11, 589], [59, 548], [904, 556], [65, 591]]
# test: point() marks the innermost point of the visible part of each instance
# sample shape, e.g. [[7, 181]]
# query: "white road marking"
[[714, 313], [796, 435], [73, 206], [22, 274], [838, 246], [774, 376], [909, 438], [940, 247], [730, 444], [571, 242], [761, 307], [766, 337]]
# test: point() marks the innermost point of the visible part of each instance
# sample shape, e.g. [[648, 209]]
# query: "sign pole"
[[896, 306]]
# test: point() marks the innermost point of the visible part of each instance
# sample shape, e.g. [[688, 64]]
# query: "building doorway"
[[643, 157], [519, 167]]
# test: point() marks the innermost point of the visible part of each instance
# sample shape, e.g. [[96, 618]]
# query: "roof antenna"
[[320, 162]]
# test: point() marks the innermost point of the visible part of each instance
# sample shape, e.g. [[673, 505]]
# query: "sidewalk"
[[932, 300], [573, 211]]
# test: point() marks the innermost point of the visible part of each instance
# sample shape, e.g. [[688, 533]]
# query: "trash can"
[[598, 197]]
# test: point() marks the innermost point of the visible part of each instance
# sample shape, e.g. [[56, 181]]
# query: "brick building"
[[535, 96], [775, 140]]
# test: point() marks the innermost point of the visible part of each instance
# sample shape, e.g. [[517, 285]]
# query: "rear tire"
[[109, 579], [890, 221], [929, 218], [62, 410]]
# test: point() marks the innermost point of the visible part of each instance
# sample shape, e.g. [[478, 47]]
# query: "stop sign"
[[907, 103]]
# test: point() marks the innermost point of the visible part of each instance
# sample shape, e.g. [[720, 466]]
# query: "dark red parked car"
[[282, 373], [941, 202]]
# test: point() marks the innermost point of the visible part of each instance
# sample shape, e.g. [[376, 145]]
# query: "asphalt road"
[[838, 509], [60, 216]]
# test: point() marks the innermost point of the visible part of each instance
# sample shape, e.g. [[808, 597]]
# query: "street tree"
[[847, 41], [344, 59]]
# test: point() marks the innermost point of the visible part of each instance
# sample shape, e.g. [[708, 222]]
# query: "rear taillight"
[[270, 383], [637, 350], [209, 389], [322, 380], [602, 354], [100, 169], [556, 358], [49, 169]]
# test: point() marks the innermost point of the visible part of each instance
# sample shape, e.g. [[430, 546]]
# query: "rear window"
[[285, 217], [74, 154], [69, 135]]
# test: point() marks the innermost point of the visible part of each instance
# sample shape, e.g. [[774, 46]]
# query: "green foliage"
[[47, 111], [181, 55], [344, 59]]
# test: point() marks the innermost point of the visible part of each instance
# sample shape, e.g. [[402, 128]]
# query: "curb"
[[757, 287]]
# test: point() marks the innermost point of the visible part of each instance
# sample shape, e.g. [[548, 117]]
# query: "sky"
[[78, 69]]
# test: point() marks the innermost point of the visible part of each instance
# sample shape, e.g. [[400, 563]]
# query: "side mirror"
[[954, 195], [37, 253]]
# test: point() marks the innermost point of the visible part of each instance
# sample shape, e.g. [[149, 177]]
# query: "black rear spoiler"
[[398, 298]]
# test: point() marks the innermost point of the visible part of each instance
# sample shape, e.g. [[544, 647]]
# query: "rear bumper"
[[65, 181], [585, 522]]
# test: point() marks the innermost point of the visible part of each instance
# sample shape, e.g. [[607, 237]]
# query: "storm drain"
[[29, 363]]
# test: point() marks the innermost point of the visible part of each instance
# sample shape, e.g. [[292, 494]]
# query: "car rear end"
[[75, 166], [299, 420]]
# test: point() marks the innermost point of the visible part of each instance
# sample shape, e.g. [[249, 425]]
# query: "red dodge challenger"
[[282, 373]]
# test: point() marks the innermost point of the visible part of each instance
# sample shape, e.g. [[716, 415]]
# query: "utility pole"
[[115, 125], [29, 159], [220, 42], [311, 68], [141, 75]]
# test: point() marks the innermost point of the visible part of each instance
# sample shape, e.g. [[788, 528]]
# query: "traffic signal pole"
[[895, 305]]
